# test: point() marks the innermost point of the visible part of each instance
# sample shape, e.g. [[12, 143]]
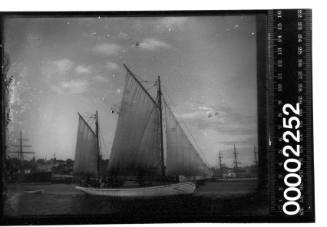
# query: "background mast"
[[97, 139], [21, 152], [219, 161], [235, 159], [163, 171]]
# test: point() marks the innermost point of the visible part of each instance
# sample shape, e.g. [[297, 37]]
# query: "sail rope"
[[139, 78], [154, 85], [90, 120], [185, 127]]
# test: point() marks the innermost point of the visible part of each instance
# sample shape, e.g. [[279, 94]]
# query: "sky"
[[62, 66]]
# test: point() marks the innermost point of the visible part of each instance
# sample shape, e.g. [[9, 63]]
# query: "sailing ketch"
[[142, 148]]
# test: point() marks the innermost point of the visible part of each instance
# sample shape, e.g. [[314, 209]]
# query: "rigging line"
[[142, 80], [86, 124], [154, 84], [89, 114], [90, 121], [166, 123], [89, 118], [187, 129], [140, 84]]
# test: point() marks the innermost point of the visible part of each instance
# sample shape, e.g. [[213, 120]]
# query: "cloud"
[[56, 70], [100, 78], [111, 66], [172, 23], [122, 35], [218, 118], [241, 142], [33, 40], [193, 111], [151, 44], [63, 65], [73, 87], [57, 89], [82, 69], [106, 49]]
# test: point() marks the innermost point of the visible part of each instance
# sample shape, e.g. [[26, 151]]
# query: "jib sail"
[[182, 158]]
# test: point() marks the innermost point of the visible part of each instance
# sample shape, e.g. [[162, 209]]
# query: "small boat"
[[158, 191], [39, 191], [149, 143]]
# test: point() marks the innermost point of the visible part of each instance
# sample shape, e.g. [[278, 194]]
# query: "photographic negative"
[[157, 117]]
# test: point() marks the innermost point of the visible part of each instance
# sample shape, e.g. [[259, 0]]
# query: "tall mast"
[[97, 139], [163, 168]]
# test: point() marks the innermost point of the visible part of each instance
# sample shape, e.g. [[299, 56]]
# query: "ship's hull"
[[184, 188]]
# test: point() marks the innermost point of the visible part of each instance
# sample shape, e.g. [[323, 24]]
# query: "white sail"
[[86, 154], [181, 156], [136, 146]]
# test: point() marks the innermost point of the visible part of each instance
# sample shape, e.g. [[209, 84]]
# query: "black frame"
[[264, 125]]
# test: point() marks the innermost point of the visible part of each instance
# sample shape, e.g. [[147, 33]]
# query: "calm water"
[[64, 199]]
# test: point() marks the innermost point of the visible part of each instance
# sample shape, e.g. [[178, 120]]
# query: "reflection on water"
[[58, 199]]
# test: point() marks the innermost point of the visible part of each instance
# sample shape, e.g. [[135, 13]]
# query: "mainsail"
[[137, 146], [86, 154]]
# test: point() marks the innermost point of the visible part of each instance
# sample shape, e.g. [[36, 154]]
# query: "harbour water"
[[64, 199]]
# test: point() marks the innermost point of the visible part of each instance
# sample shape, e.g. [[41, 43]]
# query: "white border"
[[319, 57]]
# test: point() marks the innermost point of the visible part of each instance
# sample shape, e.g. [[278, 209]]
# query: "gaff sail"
[[86, 154], [136, 146]]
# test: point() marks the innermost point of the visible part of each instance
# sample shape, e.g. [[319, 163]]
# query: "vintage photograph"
[[154, 116]]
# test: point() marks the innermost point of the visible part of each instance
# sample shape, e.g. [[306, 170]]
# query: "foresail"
[[181, 156], [86, 154], [136, 146]]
